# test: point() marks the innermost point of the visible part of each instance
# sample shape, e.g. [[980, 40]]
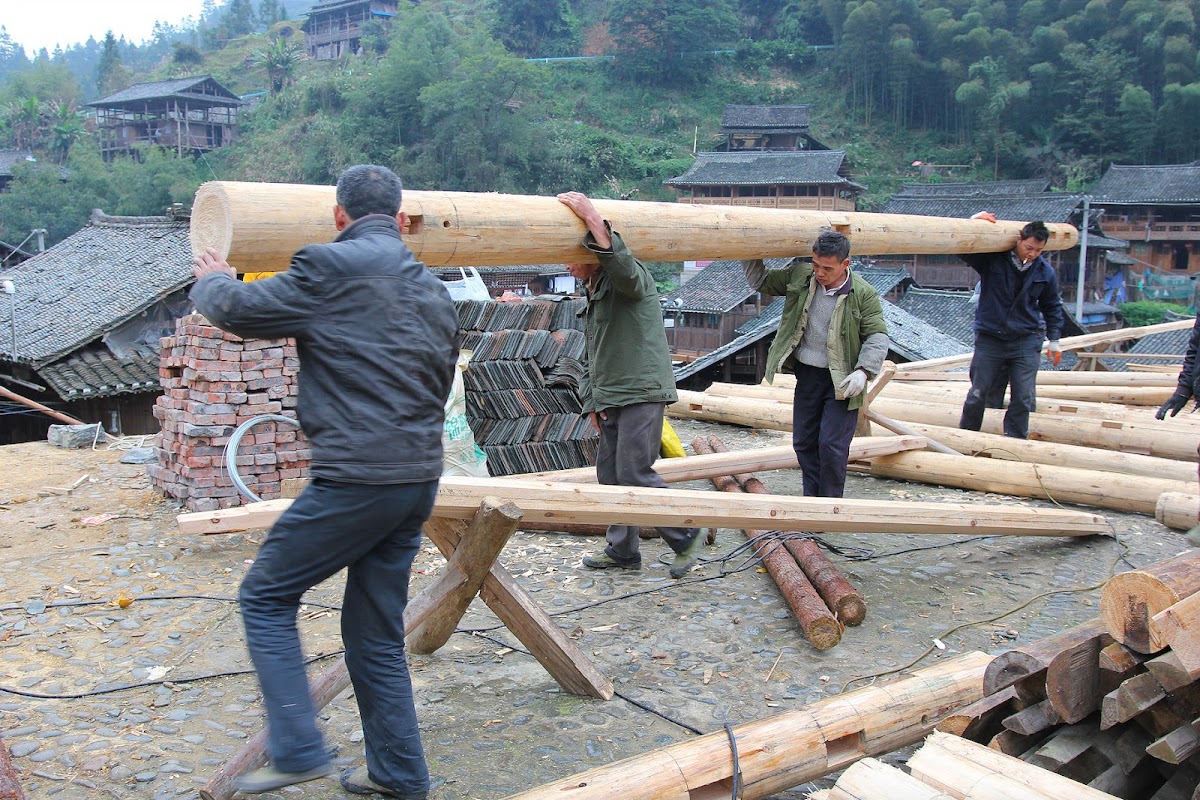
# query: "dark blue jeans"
[[630, 440], [375, 531], [822, 427], [997, 361]]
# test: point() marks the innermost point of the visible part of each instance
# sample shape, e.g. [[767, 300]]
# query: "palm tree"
[[280, 58], [66, 128]]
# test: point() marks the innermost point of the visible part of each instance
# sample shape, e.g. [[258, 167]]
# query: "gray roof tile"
[[951, 312], [974, 189], [1157, 184], [1049, 206], [10, 158], [191, 89], [95, 372], [741, 168], [93, 281], [770, 119], [719, 287]]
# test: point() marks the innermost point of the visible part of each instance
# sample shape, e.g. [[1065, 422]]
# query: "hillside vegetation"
[[449, 98]]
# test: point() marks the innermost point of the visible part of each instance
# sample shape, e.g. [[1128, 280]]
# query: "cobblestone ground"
[[123, 671]]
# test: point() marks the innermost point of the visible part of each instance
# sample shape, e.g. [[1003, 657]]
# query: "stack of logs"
[[1112, 454], [1113, 704], [816, 591]]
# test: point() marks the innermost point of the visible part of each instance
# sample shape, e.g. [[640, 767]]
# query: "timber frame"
[[188, 115]]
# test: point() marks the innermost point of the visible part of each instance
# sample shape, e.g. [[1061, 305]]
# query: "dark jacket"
[[1014, 303], [378, 341], [1187, 375], [628, 360]]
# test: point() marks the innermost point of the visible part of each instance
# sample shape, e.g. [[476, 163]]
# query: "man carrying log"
[[628, 383], [1018, 291], [832, 335], [1187, 388], [378, 341]]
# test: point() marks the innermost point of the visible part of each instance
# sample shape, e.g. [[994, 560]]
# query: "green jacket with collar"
[[856, 316], [628, 360]]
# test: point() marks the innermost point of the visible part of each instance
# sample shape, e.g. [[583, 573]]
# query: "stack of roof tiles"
[[212, 382], [522, 385]]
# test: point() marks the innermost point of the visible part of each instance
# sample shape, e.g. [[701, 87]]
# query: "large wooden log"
[[458, 497], [1179, 510], [820, 626], [1068, 343], [36, 406], [259, 225], [975, 764], [982, 719], [1073, 680], [1062, 484], [871, 779], [786, 749], [714, 465], [1035, 657], [1047, 378], [1130, 599], [1179, 626]]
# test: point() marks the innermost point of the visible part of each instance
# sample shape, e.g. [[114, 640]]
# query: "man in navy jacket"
[[1018, 294], [377, 336]]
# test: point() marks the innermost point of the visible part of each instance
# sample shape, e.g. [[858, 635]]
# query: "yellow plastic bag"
[[671, 446]]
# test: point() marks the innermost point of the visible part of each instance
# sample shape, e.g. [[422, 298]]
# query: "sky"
[[36, 23]]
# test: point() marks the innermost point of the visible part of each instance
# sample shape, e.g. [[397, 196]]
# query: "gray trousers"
[[630, 440]]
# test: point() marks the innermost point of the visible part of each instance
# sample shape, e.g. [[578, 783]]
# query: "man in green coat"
[[832, 335], [628, 383]]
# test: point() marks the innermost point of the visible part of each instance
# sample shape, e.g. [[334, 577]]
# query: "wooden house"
[[1014, 200], [816, 180], [188, 115], [782, 128], [334, 29], [8, 160], [1157, 209], [83, 326]]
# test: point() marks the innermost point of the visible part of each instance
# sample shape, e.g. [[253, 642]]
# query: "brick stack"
[[212, 382]]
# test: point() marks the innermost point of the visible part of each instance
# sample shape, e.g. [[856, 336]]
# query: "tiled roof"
[[537, 269], [1049, 206], [93, 281], [10, 158], [913, 339], [977, 189], [778, 119], [1168, 343], [741, 168], [1156, 184], [951, 312], [1106, 242], [883, 279], [183, 88], [96, 372], [718, 288]]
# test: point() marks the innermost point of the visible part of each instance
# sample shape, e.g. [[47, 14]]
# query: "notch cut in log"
[[258, 226], [459, 497], [1179, 627]]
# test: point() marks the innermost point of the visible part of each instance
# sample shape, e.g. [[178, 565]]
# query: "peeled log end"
[[211, 223]]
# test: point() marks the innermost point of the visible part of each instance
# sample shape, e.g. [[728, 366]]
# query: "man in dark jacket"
[[1188, 387], [378, 339], [1018, 293], [628, 384]]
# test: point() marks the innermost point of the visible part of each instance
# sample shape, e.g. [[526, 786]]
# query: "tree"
[[669, 42], [535, 27], [991, 95], [12, 55], [1135, 119], [280, 58], [109, 71]]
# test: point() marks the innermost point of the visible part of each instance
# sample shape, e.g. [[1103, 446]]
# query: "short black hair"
[[369, 189], [1036, 230], [832, 243]]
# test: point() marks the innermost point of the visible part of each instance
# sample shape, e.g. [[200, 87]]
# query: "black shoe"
[[605, 561]]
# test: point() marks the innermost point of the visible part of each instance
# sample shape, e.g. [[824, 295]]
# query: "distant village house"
[[188, 115]]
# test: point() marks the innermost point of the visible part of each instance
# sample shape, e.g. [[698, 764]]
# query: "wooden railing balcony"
[[801, 203], [1154, 231]]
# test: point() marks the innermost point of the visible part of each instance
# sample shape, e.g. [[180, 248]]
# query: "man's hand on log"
[[210, 262]]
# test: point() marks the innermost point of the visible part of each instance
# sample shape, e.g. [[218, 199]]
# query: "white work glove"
[[1054, 352], [853, 384]]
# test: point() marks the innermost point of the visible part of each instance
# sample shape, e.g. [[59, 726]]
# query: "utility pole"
[[1083, 237]]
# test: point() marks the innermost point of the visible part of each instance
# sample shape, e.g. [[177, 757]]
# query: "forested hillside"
[[468, 94]]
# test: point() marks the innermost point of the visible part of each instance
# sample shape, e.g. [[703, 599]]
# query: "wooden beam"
[[1129, 600], [871, 779], [544, 503], [36, 406], [258, 226], [1035, 657], [1179, 510], [1046, 378], [470, 562], [1179, 626], [787, 749]]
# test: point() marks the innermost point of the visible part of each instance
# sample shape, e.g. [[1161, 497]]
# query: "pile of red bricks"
[[212, 382]]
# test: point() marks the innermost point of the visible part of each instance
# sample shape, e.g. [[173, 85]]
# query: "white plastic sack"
[[469, 287], [460, 455]]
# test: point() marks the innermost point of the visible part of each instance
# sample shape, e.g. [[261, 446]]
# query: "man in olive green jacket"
[[832, 335], [628, 383]]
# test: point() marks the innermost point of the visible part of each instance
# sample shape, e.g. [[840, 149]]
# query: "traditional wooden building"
[[8, 160], [782, 128], [334, 29], [1013, 200], [816, 180], [1157, 209], [188, 115]]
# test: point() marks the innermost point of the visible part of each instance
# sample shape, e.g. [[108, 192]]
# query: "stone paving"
[[123, 672]]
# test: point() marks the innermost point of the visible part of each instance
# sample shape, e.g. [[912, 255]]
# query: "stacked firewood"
[[1113, 704], [818, 593]]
